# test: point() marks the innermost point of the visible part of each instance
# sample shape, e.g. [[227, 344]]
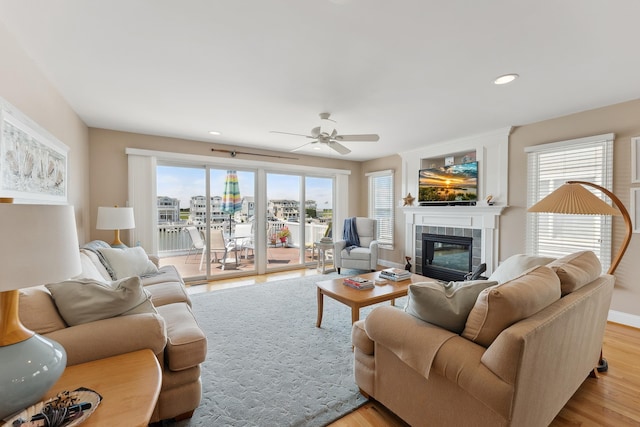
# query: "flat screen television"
[[449, 185]]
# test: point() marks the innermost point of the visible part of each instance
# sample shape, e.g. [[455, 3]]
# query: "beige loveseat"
[[519, 374], [169, 329]]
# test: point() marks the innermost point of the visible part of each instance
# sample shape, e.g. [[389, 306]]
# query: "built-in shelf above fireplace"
[[479, 222]]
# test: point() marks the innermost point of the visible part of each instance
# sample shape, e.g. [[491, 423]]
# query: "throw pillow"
[[515, 265], [501, 306], [89, 269], [82, 301], [93, 247], [445, 305], [129, 262], [576, 270]]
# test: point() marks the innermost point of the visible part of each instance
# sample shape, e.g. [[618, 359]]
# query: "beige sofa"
[[170, 331], [523, 376]]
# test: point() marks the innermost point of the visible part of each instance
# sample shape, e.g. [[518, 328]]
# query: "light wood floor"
[[613, 399]]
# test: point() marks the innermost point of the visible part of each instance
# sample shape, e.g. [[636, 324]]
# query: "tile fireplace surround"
[[454, 220]]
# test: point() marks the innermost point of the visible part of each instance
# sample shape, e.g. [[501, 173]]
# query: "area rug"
[[267, 363]]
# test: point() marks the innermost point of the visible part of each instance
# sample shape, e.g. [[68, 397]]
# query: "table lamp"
[[39, 245], [115, 219], [573, 198]]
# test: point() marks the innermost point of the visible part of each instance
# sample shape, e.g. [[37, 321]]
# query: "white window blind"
[[551, 165], [381, 206]]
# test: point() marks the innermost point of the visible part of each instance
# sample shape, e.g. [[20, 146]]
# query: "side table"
[[128, 383], [323, 248]]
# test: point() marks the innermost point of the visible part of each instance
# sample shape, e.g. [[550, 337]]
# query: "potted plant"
[[283, 234]]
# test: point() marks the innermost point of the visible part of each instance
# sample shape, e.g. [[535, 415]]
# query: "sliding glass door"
[[283, 220], [299, 212], [205, 220], [210, 226], [232, 224]]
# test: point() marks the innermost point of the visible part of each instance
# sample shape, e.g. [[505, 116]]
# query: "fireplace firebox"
[[446, 257]]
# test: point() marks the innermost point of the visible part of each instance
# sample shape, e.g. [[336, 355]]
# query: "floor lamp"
[[39, 245], [573, 198]]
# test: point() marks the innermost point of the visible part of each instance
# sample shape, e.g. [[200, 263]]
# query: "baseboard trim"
[[624, 318], [390, 264]]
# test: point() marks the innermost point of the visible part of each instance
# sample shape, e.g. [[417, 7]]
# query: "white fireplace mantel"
[[485, 218]]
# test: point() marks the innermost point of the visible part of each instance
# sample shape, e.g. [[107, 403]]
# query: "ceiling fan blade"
[[302, 146], [338, 147], [364, 137], [289, 133]]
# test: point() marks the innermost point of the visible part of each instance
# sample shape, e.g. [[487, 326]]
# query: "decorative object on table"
[[231, 200], [33, 162], [67, 408], [31, 364], [572, 198], [115, 219], [408, 265], [408, 200], [489, 200]]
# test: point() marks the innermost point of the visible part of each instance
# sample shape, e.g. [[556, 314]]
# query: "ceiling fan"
[[324, 135]]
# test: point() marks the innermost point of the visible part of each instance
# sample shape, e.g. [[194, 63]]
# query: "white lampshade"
[[39, 245], [114, 218]]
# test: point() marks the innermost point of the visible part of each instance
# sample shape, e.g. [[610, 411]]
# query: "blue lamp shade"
[[46, 236]]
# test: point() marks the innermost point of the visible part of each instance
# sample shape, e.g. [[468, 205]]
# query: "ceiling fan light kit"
[[324, 135]]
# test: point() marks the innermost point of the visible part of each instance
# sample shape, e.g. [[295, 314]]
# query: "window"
[[551, 165], [381, 205]]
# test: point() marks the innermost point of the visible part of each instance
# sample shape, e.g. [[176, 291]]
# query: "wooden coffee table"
[[128, 383], [356, 298]]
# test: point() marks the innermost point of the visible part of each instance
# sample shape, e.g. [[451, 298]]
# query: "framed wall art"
[[635, 160], [634, 211], [33, 163]]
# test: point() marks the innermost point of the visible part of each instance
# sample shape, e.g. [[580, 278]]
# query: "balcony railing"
[[174, 240]]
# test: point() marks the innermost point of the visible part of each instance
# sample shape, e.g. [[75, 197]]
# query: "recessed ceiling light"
[[215, 132], [507, 78]]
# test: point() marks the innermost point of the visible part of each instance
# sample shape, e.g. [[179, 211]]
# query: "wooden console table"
[[128, 383]]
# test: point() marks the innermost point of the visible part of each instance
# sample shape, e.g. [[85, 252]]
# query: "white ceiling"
[[415, 72]]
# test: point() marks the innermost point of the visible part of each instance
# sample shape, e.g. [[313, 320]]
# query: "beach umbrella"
[[231, 200]]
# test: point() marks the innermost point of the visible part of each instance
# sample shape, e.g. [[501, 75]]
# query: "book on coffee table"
[[395, 274], [358, 283]]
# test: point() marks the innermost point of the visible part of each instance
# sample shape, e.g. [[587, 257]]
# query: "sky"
[[182, 183]]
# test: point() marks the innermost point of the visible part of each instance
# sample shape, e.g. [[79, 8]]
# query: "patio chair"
[[217, 244], [197, 243], [244, 238]]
